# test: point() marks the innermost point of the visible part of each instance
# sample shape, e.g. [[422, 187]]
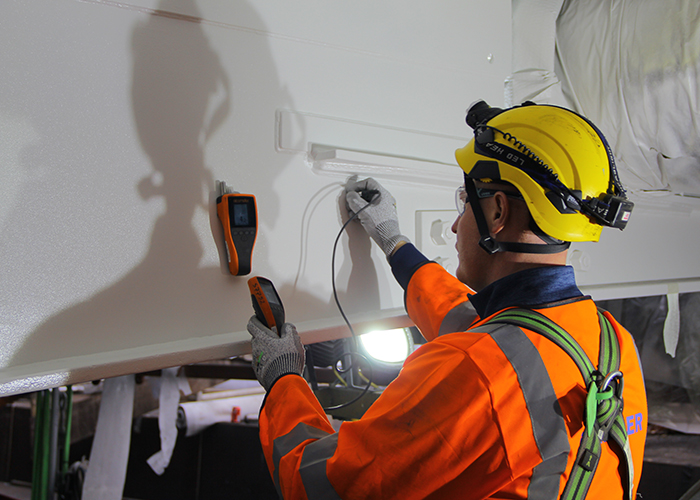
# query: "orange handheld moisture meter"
[[239, 216], [267, 303]]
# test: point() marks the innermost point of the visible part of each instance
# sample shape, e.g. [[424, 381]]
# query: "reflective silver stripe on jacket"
[[313, 468], [459, 319], [313, 460], [548, 426]]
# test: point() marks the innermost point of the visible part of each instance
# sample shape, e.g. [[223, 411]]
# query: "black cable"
[[335, 247], [347, 322]]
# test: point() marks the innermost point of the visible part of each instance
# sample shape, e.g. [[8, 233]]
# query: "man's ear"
[[499, 213]]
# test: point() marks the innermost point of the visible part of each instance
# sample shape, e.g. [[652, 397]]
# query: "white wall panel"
[[117, 117]]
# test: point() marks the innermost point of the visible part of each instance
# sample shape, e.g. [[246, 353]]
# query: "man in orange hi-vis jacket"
[[485, 409]]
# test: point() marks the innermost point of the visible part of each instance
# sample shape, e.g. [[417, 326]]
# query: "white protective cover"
[[633, 68], [629, 66]]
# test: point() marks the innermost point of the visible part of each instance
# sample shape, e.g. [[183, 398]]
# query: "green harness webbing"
[[603, 410]]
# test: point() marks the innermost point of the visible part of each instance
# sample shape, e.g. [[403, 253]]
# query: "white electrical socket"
[[434, 237]]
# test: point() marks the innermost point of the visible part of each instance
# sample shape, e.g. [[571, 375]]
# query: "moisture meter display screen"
[[240, 215], [242, 212]]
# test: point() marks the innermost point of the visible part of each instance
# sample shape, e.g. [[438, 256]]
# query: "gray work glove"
[[379, 219], [273, 355]]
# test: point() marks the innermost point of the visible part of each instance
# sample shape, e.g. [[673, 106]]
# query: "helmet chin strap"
[[489, 244]]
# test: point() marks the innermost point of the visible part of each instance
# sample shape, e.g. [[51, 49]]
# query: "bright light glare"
[[390, 346]]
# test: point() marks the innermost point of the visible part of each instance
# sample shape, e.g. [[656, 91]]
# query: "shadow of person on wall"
[[181, 95]]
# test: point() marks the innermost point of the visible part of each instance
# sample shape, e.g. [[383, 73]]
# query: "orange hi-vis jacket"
[[472, 415]]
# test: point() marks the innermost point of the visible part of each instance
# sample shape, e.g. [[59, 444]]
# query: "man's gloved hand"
[[379, 219], [273, 355]]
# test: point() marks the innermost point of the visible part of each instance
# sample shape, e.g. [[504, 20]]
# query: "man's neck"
[[507, 263], [529, 288]]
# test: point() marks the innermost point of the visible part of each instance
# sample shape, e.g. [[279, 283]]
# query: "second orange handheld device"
[[266, 303]]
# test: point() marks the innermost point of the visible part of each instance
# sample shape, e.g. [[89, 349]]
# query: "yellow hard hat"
[[558, 160]]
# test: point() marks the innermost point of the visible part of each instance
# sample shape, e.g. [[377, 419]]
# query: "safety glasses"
[[462, 198]]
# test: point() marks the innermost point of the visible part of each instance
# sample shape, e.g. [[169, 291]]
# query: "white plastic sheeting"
[[534, 48], [632, 67]]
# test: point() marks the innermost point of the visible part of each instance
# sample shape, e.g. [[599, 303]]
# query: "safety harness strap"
[[603, 409]]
